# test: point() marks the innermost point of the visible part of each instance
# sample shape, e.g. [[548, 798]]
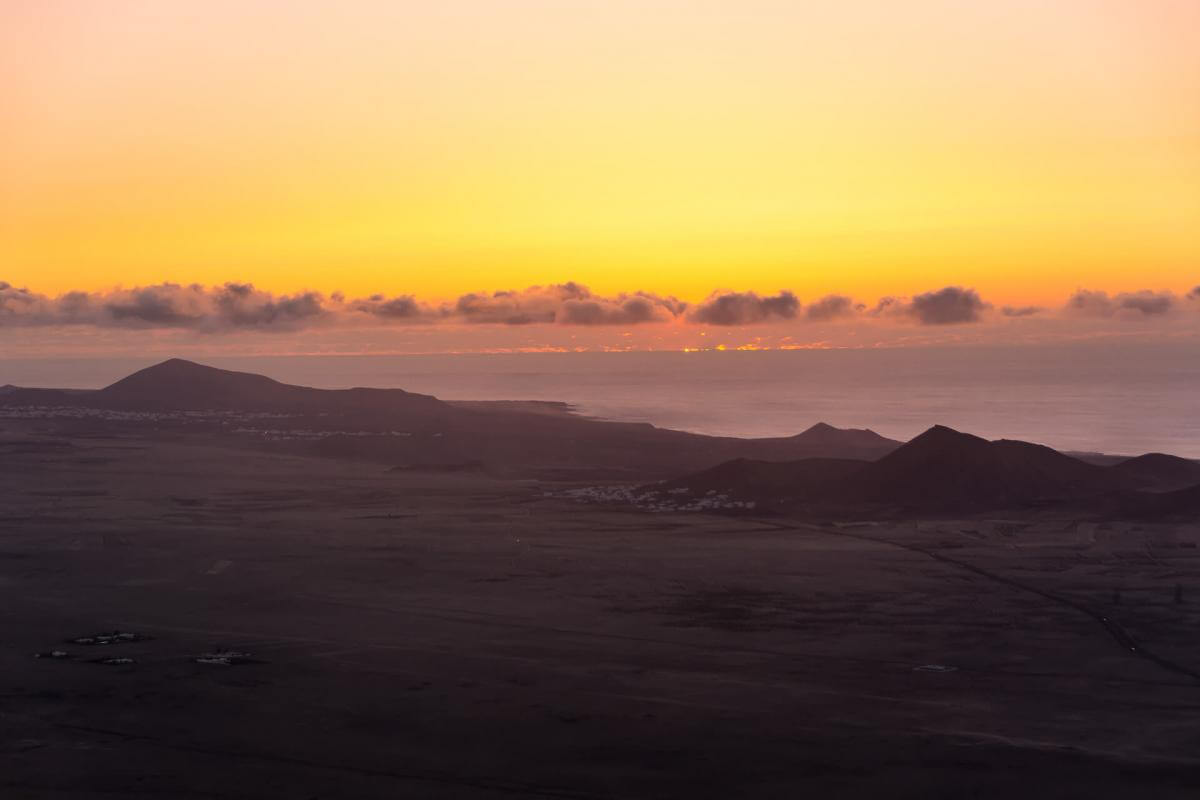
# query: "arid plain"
[[438, 634]]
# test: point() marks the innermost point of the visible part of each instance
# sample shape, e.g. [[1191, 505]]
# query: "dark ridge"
[[823, 431], [824, 440], [177, 384], [392, 426], [1160, 472], [945, 470], [940, 471]]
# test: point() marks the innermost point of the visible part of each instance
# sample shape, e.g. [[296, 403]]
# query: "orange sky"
[[1021, 147]]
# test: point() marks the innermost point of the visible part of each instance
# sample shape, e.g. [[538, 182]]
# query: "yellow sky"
[[1021, 147]]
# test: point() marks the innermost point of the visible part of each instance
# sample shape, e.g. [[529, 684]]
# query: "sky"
[[1029, 154]]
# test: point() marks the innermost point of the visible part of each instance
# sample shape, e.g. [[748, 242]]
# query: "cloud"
[[566, 304], [949, 306], [233, 306], [166, 305], [532, 305], [744, 308], [1089, 303], [16, 302], [403, 306], [952, 305], [237, 306], [830, 307], [1148, 303], [1130, 305], [622, 310], [240, 305]]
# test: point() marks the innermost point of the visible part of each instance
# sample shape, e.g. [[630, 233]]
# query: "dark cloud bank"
[[1128, 304], [744, 308], [952, 305], [567, 303], [241, 306]]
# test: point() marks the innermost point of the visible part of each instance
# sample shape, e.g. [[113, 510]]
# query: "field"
[[442, 635]]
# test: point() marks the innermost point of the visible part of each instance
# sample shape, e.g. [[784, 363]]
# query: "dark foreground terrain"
[[452, 635]]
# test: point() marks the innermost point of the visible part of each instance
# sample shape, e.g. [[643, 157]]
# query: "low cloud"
[[167, 305], [622, 310], [233, 306], [18, 304], [745, 308], [241, 306], [536, 304], [564, 303], [237, 306], [401, 307], [1130, 305], [831, 307], [952, 305]]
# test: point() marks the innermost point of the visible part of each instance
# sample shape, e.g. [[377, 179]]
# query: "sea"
[[1118, 397]]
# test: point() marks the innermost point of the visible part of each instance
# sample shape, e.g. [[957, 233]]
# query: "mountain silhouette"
[[1160, 472], [185, 385], [853, 442], [404, 429], [947, 470], [177, 384], [942, 470]]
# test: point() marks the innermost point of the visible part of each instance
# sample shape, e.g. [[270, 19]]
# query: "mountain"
[[861, 443], [177, 384], [1160, 472], [945, 470], [403, 429], [823, 467], [940, 471]]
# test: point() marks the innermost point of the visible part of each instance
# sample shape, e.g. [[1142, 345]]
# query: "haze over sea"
[[1121, 397]]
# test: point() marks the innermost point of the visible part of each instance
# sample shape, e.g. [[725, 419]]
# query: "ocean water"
[[1106, 396]]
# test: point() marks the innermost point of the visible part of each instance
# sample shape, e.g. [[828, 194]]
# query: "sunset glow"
[[1023, 149]]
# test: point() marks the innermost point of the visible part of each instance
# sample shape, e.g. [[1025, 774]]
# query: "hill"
[[177, 384], [860, 443], [1160, 472], [945, 470], [940, 471], [403, 429]]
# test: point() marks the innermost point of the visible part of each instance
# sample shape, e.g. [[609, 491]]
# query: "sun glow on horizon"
[[1021, 148]]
